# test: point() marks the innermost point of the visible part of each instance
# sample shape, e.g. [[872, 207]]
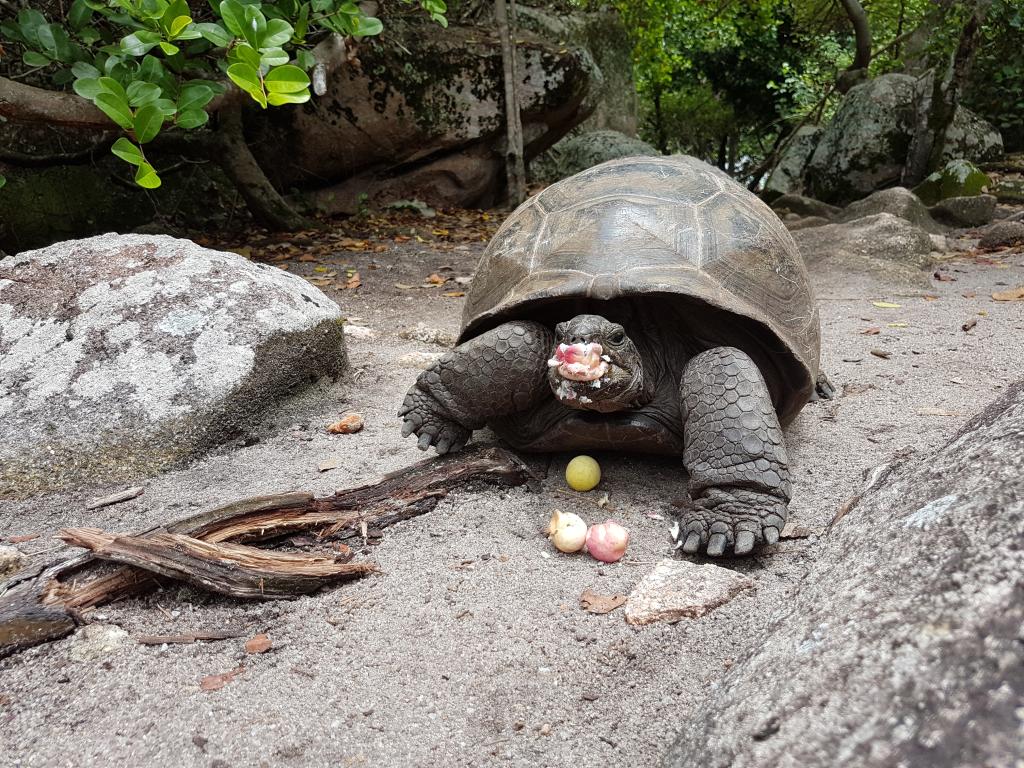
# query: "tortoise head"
[[595, 366]]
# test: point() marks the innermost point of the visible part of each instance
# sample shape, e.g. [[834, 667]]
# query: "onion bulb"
[[567, 531], [607, 541]]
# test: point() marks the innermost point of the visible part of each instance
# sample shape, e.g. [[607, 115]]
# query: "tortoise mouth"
[[580, 362]]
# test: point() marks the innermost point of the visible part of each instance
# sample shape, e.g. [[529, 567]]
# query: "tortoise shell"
[[658, 225]]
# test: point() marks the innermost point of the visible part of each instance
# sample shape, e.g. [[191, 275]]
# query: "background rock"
[[865, 146], [1002, 234], [804, 206], [787, 176], [585, 150], [904, 638], [122, 355], [899, 201], [885, 244], [11, 560], [681, 589], [965, 211]]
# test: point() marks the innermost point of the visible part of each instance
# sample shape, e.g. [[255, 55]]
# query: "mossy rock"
[[960, 178], [585, 150]]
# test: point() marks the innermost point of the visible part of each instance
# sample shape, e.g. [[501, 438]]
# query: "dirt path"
[[471, 648]]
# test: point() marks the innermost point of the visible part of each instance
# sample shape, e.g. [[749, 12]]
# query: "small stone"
[[348, 424], [1002, 234], [421, 360], [428, 335], [965, 211], [96, 641], [545, 730], [360, 332], [11, 560], [680, 589]]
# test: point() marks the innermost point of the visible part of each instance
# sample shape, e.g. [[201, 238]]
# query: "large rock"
[[965, 211], [902, 646], [899, 201], [585, 150], [787, 177], [1002, 234], [422, 115], [891, 247], [124, 355], [865, 146], [804, 206]]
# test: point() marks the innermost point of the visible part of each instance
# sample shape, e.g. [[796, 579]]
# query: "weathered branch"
[[862, 34], [22, 103], [515, 169], [43, 606]]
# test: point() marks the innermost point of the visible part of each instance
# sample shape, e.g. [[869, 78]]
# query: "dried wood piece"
[[229, 569], [41, 605], [115, 498]]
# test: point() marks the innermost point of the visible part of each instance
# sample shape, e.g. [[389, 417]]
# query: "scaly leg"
[[495, 374], [735, 454]]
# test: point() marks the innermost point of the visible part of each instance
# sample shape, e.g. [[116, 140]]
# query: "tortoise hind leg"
[[735, 455]]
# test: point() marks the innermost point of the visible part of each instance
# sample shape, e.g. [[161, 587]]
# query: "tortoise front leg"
[[735, 454], [495, 374]]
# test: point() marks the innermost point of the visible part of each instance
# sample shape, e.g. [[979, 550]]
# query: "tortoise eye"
[[617, 338]]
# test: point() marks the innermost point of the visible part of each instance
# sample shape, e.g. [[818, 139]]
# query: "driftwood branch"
[[44, 605]]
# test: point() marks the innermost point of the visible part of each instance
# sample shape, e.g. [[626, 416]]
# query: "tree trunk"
[[939, 103], [515, 166], [858, 69], [659, 125]]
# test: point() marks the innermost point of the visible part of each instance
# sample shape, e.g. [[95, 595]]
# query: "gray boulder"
[[804, 206], [889, 246], [787, 178], [902, 644], [899, 201], [865, 146], [1002, 234], [965, 211], [123, 355], [584, 150]]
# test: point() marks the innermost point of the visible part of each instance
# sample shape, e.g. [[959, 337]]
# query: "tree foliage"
[[149, 65]]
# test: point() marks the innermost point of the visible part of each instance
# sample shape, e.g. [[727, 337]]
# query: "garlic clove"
[[567, 531], [607, 541]]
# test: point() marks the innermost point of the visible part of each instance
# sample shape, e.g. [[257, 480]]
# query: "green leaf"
[[115, 108], [89, 35], [194, 96], [246, 54], [111, 85], [247, 77], [29, 22], [167, 107], [3, 181], [34, 59], [128, 151], [255, 25], [178, 24], [88, 88], [234, 17], [216, 34], [139, 43], [191, 118], [140, 92], [273, 57], [305, 59], [79, 14], [11, 32], [286, 79], [169, 48], [46, 40], [148, 121], [368, 26], [146, 177], [82, 70], [278, 33], [277, 98], [301, 24]]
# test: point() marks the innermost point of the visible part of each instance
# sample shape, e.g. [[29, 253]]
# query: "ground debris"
[[348, 424], [594, 603], [115, 498]]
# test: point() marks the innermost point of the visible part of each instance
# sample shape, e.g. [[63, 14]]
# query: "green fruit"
[[583, 473]]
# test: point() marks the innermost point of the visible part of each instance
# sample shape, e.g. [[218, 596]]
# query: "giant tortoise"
[[646, 304]]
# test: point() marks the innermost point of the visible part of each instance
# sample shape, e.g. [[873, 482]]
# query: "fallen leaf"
[[308, 257], [882, 353], [871, 331], [440, 232], [930, 297], [244, 250], [454, 294], [404, 286], [353, 281], [436, 279], [327, 465], [1014, 294], [969, 294], [930, 411], [594, 603], [969, 324], [258, 644], [216, 682], [886, 305], [348, 424], [897, 325]]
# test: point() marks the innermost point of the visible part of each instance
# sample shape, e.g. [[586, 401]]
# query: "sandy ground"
[[471, 648]]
